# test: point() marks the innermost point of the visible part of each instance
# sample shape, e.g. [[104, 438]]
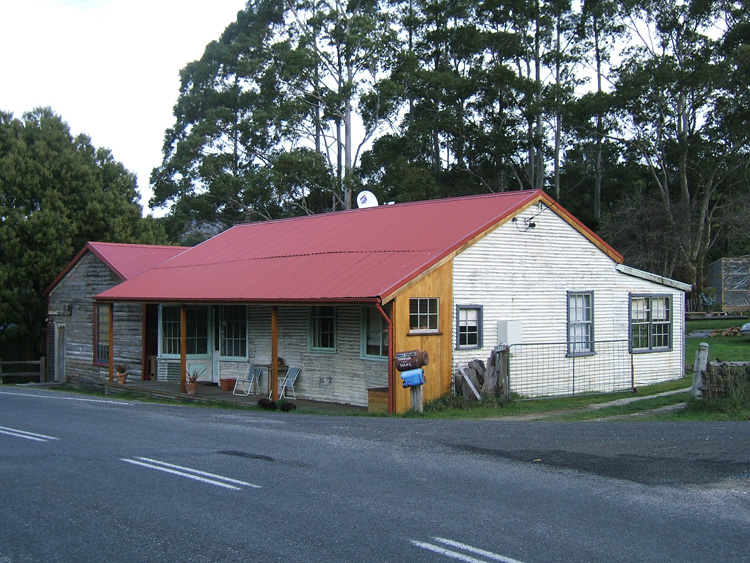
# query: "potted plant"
[[192, 381], [121, 372]]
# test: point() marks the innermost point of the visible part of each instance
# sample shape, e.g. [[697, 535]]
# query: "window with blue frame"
[[468, 326]]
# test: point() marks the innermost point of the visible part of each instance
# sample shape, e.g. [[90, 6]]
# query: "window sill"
[[424, 333], [651, 350]]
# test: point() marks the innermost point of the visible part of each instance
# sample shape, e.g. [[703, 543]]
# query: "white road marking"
[[476, 550], [461, 556], [195, 474], [61, 398], [28, 435]]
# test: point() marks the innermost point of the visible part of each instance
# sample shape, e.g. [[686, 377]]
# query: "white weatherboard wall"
[[525, 275]]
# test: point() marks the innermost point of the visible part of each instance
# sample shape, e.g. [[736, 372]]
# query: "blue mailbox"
[[413, 377]]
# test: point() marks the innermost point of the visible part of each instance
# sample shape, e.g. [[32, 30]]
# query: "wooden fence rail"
[[22, 371]]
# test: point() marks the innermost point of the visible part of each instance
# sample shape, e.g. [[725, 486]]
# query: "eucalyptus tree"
[[230, 122], [674, 88], [599, 30], [348, 47]]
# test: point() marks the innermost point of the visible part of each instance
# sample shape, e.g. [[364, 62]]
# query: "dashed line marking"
[[190, 473], [27, 435], [462, 556]]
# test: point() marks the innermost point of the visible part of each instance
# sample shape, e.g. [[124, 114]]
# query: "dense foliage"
[[56, 193], [634, 114]]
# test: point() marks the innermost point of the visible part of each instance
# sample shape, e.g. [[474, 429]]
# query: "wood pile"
[[487, 380], [731, 331]]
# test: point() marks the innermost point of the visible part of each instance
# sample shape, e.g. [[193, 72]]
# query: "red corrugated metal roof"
[[129, 260], [125, 260], [350, 255]]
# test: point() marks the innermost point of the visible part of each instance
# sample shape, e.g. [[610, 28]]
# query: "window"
[[323, 328], [580, 323], [469, 326], [651, 322], [196, 328], [233, 335], [101, 333], [423, 314], [374, 333]]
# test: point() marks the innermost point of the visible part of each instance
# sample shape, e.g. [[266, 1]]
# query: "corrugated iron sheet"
[[351, 255], [129, 260]]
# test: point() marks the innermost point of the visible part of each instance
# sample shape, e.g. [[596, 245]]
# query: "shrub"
[[726, 387]]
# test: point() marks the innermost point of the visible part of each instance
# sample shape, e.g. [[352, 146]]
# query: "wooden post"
[[183, 347], [274, 379], [417, 398], [42, 369], [699, 368], [111, 338]]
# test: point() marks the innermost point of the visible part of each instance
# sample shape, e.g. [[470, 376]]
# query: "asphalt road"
[[84, 478]]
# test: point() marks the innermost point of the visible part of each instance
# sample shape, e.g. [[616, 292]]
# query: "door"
[[60, 353]]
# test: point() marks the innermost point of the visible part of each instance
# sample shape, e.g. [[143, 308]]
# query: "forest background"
[[634, 115]]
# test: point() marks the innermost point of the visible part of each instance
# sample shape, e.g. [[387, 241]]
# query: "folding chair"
[[249, 382], [287, 384]]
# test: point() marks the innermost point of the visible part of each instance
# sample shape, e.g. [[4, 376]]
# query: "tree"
[[675, 91], [56, 193]]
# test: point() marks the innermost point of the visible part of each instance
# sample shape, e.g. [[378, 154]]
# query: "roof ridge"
[[442, 200]]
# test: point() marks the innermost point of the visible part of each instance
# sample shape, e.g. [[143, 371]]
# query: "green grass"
[[454, 407], [720, 348], [714, 324]]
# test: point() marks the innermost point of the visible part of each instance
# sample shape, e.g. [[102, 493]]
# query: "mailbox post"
[[412, 375]]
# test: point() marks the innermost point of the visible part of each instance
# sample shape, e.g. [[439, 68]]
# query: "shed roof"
[[361, 255], [125, 260]]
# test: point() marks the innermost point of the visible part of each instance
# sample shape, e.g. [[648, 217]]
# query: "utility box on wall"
[[509, 332]]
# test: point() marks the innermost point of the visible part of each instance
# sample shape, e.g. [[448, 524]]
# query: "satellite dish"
[[366, 199]]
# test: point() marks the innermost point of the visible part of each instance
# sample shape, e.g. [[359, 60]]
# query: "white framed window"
[[374, 342], [468, 326], [233, 334], [323, 328], [196, 327], [580, 322], [651, 322], [424, 314]]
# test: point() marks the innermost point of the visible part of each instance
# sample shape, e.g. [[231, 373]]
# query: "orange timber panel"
[[438, 373]]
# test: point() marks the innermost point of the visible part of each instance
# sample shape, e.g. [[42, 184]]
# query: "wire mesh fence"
[[549, 369]]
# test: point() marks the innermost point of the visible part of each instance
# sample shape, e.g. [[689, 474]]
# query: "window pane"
[[468, 327], [580, 323], [376, 333], [102, 334], [423, 313], [651, 325], [323, 327], [234, 331]]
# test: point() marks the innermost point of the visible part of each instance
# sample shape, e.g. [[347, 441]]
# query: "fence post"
[[699, 368], [503, 364], [42, 369]]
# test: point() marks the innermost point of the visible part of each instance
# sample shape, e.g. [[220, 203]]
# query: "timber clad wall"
[[437, 283], [342, 376], [89, 277], [525, 275]]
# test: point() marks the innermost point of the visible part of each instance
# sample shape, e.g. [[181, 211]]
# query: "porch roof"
[[357, 255]]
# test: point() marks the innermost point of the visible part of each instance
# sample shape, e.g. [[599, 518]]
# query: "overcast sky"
[[109, 68]]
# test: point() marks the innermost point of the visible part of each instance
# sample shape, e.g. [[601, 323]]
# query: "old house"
[[339, 294], [77, 328]]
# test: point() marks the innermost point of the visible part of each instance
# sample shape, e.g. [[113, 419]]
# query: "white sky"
[[108, 68]]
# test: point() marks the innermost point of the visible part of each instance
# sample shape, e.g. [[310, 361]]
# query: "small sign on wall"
[[59, 309]]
